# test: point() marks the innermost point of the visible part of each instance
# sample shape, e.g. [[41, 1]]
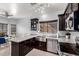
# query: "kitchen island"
[[23, 45], [20, 46]]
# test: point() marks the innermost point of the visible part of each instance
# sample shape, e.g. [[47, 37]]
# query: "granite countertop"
[[64, 40], [20, 39], [50, 37], [27, 37]]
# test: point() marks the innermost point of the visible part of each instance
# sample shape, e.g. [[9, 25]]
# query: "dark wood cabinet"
[[61, 22], [68, 48], [76, 20], [20, 49], [34, 23], [71, 7], [24, 47]]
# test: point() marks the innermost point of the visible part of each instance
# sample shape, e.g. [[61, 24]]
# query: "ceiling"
[[36, 10]]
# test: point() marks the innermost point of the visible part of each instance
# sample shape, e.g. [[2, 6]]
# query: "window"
[[3, 28], [13, 29], [44, 27], [48, 26]]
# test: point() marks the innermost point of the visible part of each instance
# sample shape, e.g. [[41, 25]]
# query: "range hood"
[[69, 23]]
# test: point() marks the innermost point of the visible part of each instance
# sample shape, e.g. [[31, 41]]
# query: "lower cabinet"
[[52, 45], [20, 49], [14, 49], [68, 48], [24, 47]]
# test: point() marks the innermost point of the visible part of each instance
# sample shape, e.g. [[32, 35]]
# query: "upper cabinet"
[[76, 20], [74, 6], [69, 20], [71, 7], [34, 24], [61, 22]]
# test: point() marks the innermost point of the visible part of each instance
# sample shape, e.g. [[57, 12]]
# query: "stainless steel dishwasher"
[[52, 45]]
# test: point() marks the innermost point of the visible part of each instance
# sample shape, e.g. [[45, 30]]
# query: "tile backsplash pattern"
[[62, 33], [73, 35]]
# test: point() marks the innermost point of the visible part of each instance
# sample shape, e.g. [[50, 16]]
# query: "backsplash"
[[73, 35], [62, 33]]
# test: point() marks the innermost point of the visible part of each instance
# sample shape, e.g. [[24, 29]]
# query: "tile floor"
[[5, 50], [36, 52]]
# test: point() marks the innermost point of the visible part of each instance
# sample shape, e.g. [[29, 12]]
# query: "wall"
[[23, 26], [8, 20], [23, 10], [50, 16], [74, 34]]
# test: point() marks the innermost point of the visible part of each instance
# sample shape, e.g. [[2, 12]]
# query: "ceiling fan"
[[5, 13]]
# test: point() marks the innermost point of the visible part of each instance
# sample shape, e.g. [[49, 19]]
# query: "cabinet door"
[[34, 23], [68, 48], [61, 23], [76, 20], [52, 46], [74, 6]]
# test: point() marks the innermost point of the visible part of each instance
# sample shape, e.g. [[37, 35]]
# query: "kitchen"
[[46, 27]]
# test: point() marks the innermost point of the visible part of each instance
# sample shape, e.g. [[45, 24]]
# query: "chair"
[[2, 40]]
